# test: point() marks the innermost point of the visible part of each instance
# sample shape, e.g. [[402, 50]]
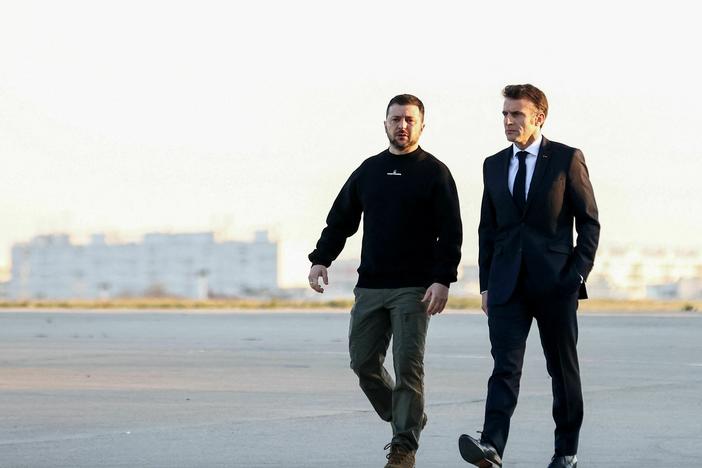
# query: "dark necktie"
[[519, 189]]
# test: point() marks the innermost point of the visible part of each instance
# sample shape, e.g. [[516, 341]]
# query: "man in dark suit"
[[534, 191]]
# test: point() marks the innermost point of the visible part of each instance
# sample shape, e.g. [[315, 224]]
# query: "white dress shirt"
[[533, 150]]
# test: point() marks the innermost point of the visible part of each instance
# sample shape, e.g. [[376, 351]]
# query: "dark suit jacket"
[[539, 241]]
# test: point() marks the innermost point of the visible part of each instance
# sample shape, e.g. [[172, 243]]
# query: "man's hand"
[[315, 272], [437, 296], [484, 302]]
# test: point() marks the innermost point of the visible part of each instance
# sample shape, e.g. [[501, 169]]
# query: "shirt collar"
[[532, 149]]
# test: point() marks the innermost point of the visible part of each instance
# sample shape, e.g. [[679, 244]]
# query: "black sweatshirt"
[[412, 230]]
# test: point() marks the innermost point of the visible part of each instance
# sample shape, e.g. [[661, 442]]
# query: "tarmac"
[[254, 390]]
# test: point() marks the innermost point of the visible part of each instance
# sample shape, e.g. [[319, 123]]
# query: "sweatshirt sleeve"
[[342, 222], [447, 253]]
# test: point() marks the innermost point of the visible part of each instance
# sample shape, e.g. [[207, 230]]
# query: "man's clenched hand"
[[315, 272], [437, 296]]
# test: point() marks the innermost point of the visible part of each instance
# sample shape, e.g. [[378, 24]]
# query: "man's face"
[[522, 121], [403, 125]]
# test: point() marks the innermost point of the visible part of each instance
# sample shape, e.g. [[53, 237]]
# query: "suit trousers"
[[509, 323], [377, 316]]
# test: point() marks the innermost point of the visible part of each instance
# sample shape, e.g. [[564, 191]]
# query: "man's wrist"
[[443, 281]]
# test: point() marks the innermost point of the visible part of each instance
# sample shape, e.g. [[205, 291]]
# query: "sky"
[[132, 117]]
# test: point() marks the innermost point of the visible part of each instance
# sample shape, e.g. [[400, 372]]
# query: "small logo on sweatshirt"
[[394, 172]]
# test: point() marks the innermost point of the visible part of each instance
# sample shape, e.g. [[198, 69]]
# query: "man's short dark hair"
[[529, 92], [406, 100]]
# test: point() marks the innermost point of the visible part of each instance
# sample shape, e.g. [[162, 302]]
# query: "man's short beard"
[[395, 144]]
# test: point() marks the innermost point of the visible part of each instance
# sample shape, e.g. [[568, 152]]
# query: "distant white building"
[[646, 273], [179, 265], [620, 272]]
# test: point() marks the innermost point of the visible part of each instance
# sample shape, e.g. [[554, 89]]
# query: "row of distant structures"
[[198, 266], [619, 273], [161, 265]]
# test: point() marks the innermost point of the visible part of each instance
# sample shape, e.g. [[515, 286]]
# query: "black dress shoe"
[[570, 461], [480, 454]]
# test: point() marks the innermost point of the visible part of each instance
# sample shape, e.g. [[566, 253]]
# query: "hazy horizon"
[[135, 117]]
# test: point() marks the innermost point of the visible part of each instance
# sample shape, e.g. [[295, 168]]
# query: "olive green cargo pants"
[[378, 315]]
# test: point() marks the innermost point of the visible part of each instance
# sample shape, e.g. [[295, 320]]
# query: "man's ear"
[[540, 119]]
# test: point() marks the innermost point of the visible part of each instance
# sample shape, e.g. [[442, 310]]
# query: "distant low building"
[[646, 273], [620, 272], [176, 265]]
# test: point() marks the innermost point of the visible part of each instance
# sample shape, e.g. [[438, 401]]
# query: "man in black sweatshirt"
[[411, 249]]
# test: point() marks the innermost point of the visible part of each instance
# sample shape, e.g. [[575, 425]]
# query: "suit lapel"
[[506, 155], [542, 161]]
